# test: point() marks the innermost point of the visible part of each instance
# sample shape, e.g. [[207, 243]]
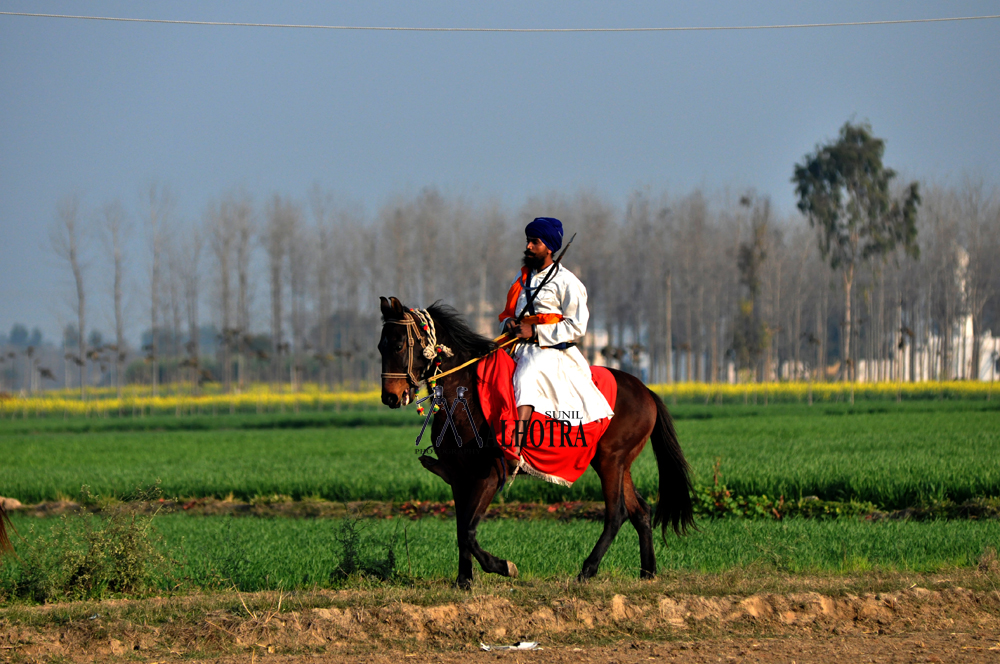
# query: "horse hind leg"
[[640, 514]]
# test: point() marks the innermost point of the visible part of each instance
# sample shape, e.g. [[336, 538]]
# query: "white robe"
[[556, 382]]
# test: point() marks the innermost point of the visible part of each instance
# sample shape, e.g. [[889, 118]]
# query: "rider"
[[552, 375]]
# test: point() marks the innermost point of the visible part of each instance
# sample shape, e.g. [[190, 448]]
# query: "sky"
[[103, 109]]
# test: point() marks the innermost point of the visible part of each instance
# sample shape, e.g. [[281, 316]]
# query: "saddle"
[[550, 449]]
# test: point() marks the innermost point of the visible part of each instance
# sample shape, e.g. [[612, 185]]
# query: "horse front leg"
[[612, 485], [472, 499], [460, 492]]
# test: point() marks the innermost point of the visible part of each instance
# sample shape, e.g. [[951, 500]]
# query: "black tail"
[[5, 545], [674, 506]]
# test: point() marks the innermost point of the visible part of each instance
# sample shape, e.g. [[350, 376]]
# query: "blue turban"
[[548, 230]]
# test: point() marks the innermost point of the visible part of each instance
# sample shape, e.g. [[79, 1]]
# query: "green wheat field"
[[891, 455]]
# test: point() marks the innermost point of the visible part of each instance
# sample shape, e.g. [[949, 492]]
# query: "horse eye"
[[399, 347]]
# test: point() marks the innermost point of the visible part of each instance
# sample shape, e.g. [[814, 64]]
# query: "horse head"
[[403, 362]]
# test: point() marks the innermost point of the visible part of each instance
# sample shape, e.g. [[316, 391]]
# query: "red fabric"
[[547, 451]]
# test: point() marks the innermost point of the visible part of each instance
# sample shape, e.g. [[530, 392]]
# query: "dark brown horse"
[[476, 475]]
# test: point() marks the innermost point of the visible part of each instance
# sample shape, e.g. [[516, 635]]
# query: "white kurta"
[[556, 382]]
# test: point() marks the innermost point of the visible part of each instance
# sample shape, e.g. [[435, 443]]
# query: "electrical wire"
[[432, 29]]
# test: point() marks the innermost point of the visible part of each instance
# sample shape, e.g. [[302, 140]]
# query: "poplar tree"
[[844, 190]]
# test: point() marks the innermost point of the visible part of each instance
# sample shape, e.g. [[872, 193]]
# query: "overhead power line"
[[432, 29]]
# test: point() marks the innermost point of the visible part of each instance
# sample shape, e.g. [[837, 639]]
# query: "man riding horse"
[[552, 375], [548, 307]]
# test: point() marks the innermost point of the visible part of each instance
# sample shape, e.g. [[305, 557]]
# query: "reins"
[[476, 359]]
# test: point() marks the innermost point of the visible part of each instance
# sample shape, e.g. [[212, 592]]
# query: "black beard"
[[532, 262]]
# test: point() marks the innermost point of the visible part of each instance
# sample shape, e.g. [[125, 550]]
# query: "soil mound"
[[351, 625]]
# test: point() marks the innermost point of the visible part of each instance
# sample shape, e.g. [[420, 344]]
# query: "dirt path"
[[925, 647], [623, 622]]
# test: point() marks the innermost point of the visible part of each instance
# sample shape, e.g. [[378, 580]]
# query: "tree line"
[[871, 279]]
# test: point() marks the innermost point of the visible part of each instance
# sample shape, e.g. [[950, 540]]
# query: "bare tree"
[[300, 241], [702, 281], [980, 220], [117, 230], [66, 237], [940, 224], [395, 244], [174, 289], [190, 256], [668, 308], [281, 216], [322, 206], [429, 210], [219, 222], [159, 205], [241, 213]]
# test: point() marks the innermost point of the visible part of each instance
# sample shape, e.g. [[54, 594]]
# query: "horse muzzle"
[[393, 400]]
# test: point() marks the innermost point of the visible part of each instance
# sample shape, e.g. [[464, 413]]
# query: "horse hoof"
[[511, 570], [463, 584], [647, 575]]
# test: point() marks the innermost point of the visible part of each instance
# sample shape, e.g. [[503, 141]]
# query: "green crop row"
[[365, 415], [894, 459], [253, 554]]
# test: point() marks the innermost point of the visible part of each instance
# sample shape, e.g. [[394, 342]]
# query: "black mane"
[[462, 337]]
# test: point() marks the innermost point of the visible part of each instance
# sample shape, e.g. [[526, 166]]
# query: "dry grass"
[[988, 563]]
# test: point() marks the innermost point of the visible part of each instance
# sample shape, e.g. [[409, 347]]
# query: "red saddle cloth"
[[553, 451]]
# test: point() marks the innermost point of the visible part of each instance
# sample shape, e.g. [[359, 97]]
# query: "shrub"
[[367, 557], [88, 556]]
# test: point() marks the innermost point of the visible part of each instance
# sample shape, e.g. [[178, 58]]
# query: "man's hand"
[[521, 331], [525, 331]]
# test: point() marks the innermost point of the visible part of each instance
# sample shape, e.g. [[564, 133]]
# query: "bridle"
[[429, 349], [411, 331], [414, 320]]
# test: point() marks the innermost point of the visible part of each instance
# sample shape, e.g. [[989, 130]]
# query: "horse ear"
[[391, 308]]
